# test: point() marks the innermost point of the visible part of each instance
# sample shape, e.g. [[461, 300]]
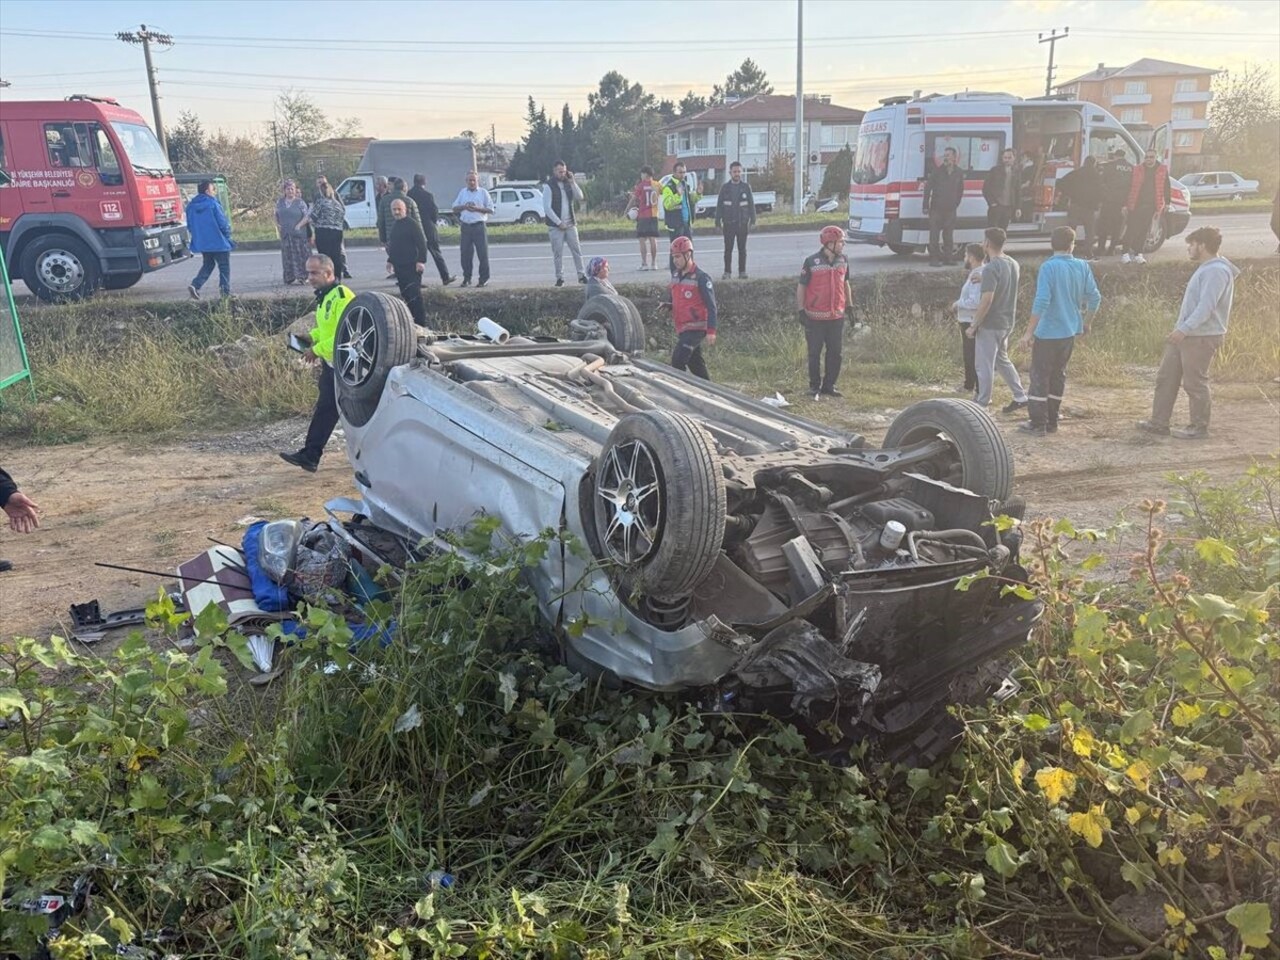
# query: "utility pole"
[[797, 186], [1052, 40], [146, 38], [275, 137]]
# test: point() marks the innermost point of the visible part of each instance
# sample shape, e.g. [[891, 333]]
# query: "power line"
[[1052, 40]]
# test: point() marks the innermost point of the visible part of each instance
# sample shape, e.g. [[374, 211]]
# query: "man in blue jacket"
[[1066, 298], [211, 238]]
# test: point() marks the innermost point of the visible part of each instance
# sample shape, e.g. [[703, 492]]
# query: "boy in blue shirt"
[[1066, 298]]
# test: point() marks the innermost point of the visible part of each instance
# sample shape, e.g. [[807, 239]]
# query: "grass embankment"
[[147, 370]]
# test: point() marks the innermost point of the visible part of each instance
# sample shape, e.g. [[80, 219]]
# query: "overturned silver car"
[[733, 550]]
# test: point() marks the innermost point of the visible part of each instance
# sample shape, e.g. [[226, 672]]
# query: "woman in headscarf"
[[598, 278], [291, 225], [326, 216]]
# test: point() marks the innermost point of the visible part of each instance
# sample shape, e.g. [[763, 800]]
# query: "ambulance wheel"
[[903, 249], [59, 268]]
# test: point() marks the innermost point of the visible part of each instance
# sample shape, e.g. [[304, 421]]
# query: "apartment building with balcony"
[[1151, 93], [755, 129]]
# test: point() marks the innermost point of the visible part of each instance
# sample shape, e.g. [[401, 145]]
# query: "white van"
[[900, 141]]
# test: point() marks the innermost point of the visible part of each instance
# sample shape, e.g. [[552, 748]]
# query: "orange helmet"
[[681, 245], [831, 234]]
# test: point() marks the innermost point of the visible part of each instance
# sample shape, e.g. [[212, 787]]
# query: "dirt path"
[[154, 506]]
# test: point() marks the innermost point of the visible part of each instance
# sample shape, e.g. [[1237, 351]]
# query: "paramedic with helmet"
[[823, 296], [693, 309]]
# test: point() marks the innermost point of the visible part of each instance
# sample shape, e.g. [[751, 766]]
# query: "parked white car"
[[1219, 183], [516, 204]]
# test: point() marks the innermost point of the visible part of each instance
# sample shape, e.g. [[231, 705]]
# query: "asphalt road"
[[257, 272]]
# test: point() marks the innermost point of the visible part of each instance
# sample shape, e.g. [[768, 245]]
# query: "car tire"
[[902, 249], [120, 281], [530, 218], [620, 319], [60, 268], [982, 461], [665, 542], [1156, 235], [375, 334]]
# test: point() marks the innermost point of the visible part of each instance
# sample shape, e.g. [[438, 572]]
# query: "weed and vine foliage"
[[458, 793]]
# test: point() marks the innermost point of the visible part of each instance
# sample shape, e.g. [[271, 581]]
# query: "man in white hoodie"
[[1189, 349]]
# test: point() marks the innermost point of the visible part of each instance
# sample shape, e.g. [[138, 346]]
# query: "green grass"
[[1247, 205]]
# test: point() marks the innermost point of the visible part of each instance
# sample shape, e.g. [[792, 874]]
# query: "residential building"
[[756, 129], [337, 158], [1150, 93]]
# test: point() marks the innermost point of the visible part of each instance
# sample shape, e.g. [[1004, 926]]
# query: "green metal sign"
[[14, 365]]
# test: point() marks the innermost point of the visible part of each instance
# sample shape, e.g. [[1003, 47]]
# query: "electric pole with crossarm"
[[1052, 40], [146, 38]]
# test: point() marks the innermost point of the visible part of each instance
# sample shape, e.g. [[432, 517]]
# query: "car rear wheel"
[[1155, 236], [619, 319], [978, 459], [375, 334], [902, 249], [530, 217], [659, 504], [60, 268]]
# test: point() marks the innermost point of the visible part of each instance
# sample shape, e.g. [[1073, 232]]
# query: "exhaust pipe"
[[492, 331]]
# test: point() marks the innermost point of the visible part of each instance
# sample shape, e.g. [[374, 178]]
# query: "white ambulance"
[[902, 140]]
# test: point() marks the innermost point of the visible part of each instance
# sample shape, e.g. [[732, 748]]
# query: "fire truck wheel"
[[120, 281], [59, 268]]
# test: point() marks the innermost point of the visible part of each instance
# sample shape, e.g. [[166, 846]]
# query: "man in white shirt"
[[558, 196], [473, 206]]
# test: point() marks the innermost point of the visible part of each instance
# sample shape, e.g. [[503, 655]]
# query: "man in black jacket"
[[1083, 190], [1000, 190], [735, 215], [430, 213], [22, 511], [407, 251], [943, 192], [1116, 177]]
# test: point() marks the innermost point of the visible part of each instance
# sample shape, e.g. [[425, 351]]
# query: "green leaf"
[[1137, 874], [211, 621], [1002, 858], [83, 832], [48, 838], [1035, 722], [1138, 723], [1253, 921], [1212, 550], [1091, 625], [1185, 714], [12, 701], [1210, 606]]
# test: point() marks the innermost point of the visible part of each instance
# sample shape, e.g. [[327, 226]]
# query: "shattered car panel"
[[730, 546]]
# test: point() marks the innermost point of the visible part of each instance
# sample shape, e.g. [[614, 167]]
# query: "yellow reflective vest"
[[333, 300]]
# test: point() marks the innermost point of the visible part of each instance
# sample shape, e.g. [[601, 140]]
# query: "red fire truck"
[[87, 197]]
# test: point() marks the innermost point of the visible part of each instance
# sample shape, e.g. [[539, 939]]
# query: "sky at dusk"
[[413, 68]]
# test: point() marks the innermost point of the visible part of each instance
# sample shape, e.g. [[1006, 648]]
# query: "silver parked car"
[[759, 560], [1222, 184]]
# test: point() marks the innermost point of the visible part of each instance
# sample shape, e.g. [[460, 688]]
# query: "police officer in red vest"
[[823, 295], [693, 308]]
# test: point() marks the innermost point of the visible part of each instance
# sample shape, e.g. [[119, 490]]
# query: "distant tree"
[[347, 127], [1244, 122], [778, 176], [469, 134], [188, 145], [690, 104], [300, 123], [568, 139], [250, 169], [835, 182], [746, 81]]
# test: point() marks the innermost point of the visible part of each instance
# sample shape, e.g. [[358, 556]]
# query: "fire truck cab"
[[901, 141], [87, 197]]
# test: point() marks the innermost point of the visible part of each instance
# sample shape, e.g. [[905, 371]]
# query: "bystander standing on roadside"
[[429, 213], [473, 206], [693, 310], [993, 322], [211, 238], [331, 300], [598, 282], [380, 186], [1117, 175], [1066, 298], [1000, 190], [1148, 195], [291, 226], [646, 200], [735, 216], [965, 306], [327, 216], [407, 251], [1083, 189], [943, 191], [1188, 352], [22, 511], [343, 273], [823, 297], [679, 205], [395, 191], [559, 193]]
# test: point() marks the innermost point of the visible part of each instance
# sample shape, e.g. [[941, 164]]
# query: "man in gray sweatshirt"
[[1189, 349]]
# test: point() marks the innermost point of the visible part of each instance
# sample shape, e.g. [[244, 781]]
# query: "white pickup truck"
[[706, 207]]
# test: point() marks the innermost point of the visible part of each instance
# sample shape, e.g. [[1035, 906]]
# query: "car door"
[[504, 206], [356, 194], [530, 202]]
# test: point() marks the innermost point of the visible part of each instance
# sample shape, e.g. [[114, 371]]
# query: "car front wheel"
[[376, 333], [978, 458], [619, 319], [659, 504]]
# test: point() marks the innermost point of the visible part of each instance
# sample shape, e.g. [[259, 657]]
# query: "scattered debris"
[[89, 625], [777, 400]]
